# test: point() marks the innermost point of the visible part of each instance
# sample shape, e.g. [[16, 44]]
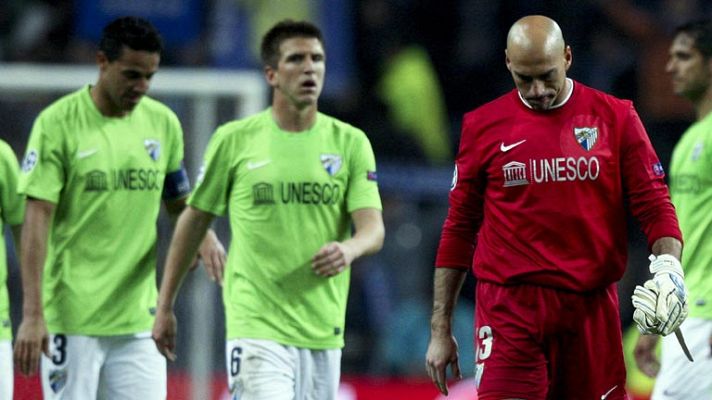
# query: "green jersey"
[[106, 177], [691, 192], [287, 195], [12, 211]]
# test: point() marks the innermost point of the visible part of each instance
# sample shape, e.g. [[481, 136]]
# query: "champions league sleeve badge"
[[153, 147]]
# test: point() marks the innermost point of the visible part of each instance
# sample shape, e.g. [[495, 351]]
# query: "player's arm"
[[334, 257], [189, 232], [211, 250], [667, 245], [442, 349], [644, 354], [32, 337]]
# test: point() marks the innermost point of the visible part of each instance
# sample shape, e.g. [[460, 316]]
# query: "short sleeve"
[[363, 182], [12, 204], [214, 182], [42, 174], [175, 156]]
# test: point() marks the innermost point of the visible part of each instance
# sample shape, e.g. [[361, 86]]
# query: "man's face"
[[689, 70], [299, 76], [125, 80], [540, 79]]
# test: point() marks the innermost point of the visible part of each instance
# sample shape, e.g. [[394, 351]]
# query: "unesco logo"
[[262, 194]]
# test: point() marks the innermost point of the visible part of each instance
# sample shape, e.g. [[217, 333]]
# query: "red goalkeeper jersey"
[[541, 196]]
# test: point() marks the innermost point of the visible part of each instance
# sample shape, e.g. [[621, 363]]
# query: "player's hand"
[[332, 259], [31, 341], [442, 351], [645, 300], [212, 252], [644, 354], [671, 308], [164, 333]]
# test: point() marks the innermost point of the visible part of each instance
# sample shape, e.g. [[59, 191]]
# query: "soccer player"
[[537, 211], [98, 163], [292, 180], [12, 209], [690, 66]]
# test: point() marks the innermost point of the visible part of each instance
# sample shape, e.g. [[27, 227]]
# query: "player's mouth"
[[309, 85], [133, 98]]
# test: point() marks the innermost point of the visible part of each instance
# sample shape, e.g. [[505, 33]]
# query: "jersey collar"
[[564, 101]]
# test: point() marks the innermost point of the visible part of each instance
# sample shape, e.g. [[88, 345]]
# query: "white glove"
[[668, 289], [644, 300]]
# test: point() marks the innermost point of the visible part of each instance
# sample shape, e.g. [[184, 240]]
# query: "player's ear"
[[270, 75], [101, 60]]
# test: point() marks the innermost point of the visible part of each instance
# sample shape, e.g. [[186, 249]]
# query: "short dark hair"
[[283, 30], [133, 32], [701, 31]]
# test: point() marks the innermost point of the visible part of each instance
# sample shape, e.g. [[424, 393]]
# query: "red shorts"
[[539, 343]]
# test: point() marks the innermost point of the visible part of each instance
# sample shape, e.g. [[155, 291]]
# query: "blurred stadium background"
[[404, 71]]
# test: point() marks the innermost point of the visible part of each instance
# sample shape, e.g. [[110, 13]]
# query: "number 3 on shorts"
[[484, 347], [60, 349], [235, 354]]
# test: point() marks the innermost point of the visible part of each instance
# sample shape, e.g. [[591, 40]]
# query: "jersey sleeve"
[[12, 204], [214, 182], [363, 182], [43, 166], [176, 184], [643, 177], [175, 156], [459, 233]]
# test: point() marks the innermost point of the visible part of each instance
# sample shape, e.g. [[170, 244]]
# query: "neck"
[[290, 117], [704, 106], [103, 104]]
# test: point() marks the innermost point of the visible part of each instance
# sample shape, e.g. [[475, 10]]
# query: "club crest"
[[331, 163], [153, 147], [57, 379], [586, 137]]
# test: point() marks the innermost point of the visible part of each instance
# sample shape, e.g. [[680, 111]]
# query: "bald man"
[[537, 212]]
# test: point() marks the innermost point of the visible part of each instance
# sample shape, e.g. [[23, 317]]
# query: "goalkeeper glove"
[[670, 297]]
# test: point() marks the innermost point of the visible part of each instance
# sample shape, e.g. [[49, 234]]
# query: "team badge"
[[331, 163], [57, 379], [153, 147], [29, 161], [586, 137]]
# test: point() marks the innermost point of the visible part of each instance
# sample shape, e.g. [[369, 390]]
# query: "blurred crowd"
[[404, 71]]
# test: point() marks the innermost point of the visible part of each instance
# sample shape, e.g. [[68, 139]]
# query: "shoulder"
[[337, 127], [5, 150], [64, 107], [494, 110], [157, 108], [601, 100], [245, 126], [237, 132]]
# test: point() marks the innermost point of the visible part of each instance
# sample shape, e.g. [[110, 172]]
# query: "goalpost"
[[204, 88]]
